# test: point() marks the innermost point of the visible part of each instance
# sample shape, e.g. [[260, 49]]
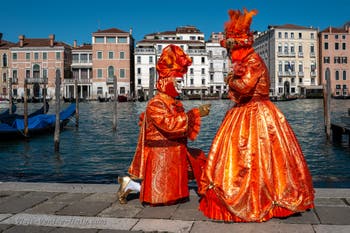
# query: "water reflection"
[[94, 153]]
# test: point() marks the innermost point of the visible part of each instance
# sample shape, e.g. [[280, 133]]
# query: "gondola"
[[37, 125], [10, 118]]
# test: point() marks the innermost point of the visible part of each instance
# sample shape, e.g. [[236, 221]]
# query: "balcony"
[[197, 52], [36, 80], [80, 81]]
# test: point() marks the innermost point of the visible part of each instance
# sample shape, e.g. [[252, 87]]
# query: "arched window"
[[36, 71], [110, 72]]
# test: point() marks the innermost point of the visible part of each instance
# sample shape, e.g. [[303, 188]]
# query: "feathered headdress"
[[237, 29]]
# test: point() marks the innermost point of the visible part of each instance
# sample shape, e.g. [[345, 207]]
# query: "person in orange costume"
[[255, 167], [162, 159]]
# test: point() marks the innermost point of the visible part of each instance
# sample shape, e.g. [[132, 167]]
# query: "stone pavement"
[[56, 207]]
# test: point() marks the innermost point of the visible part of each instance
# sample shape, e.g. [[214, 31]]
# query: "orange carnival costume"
[[255, 167], [162, 159]]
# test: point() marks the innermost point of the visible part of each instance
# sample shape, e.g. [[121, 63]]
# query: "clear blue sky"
[[77, 20]]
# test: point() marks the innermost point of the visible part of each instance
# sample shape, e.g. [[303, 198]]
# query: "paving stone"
[[332, 228], [106, 197], [18, 204], [307, 217], [83, 208], [117, 210], [73, 230], [163, 212], [28, 229], [72, 221], [189, 211], [329, 202], [163, 225], [46, 195], [70, 197], [46, 207], [4, 216], [209, 227], [333, 215], [4, 227], [8, 195], [118, 231]]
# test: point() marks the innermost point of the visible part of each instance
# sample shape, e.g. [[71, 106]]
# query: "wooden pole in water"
[[44, 95], [327, 104], [76, 103], [57, 126], [115, 101], [10, 96], [25, 109]]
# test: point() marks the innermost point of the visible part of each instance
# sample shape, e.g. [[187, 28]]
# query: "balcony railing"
[[36, 80]]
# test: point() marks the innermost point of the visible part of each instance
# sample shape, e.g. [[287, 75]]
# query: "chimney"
[[21, 40], [75, 44], [130, 31], [52, 39]]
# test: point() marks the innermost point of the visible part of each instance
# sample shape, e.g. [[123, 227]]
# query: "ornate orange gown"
[[162, 159], [255, 167]]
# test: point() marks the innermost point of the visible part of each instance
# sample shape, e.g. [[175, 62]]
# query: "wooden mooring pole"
[[327, 104], [115, 102], [25, 108], [57, 126], [10, 96], [76, 104]]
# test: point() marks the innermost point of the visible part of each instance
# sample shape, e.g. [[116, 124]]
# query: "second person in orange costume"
[[255, 167]]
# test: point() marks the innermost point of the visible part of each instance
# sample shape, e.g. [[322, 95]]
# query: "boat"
[[6, 112], [282, 98], [122, 98], [104, 99], [37, 125], [10, 118]]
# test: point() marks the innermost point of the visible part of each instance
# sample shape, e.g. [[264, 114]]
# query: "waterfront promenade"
[[57, 207]]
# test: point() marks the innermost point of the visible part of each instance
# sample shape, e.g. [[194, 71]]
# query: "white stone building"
[[148, 50], [290, 53]]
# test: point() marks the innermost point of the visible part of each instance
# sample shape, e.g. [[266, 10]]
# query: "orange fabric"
[[161, 157], [255, 167]]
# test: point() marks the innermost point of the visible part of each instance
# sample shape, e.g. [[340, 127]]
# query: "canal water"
[[94, 153]]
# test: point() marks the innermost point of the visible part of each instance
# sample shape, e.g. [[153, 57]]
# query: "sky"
[[77, 20]]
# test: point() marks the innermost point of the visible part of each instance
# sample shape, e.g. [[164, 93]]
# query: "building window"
[[44, 55], [280, 35], [292, 35], [27, 56], [312, 35], [110, 72], [203, 70], [343, 46], [138, 70], [99, 55], [191, 81], [344, 74], [14, 74], [150, 59], [286, 35], [326, 45], [14, 56], [4, 60], [110, 55], [122, 90], [58, 56], [44, 73], [325, 36], [99, 40], [111, 40], [122, 40], [203, 81], [122, 73], [138, 59], [191, 70], [203, 60], [300, 35], [326, 60], [336, 46], [27, 73], [99, 73], [139, 81], [36, 56], [336, 75], [122, 55]]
